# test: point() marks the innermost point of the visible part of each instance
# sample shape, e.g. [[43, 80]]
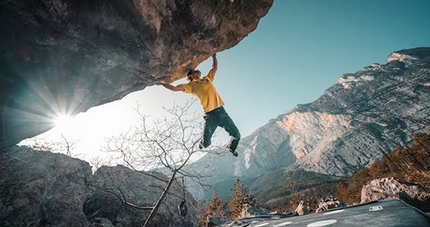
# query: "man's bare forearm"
[[171, 87], [168, 86], [214, 62]]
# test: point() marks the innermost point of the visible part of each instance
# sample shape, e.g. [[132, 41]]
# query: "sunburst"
[[63, 121]]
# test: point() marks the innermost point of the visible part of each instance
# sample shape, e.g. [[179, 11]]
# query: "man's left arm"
[[214, 67]]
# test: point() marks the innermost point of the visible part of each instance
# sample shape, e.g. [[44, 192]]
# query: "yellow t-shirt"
[[205, 91]]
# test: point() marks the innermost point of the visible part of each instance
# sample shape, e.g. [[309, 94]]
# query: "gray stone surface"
[[387, 213], [39, 188], [139, 189], [216, 221], [330, 204], [65, 56]]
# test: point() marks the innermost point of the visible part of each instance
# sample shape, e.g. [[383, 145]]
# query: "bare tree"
[[63, 145], [170, 143]]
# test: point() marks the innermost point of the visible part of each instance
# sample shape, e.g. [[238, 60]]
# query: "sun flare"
[[63, 121]]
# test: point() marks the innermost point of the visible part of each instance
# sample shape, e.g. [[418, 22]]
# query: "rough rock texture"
[[248, 211], [39, 188], [141, 190], [65, 56], [390, 188], [212, 221], [301, 209], [380, 105], [330, 204]]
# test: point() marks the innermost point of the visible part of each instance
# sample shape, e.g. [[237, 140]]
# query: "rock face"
[[380, 105], [43, 189], [65, 56], [330, 204], [390, 188], [212, 221], [39, 188], [139, 189]]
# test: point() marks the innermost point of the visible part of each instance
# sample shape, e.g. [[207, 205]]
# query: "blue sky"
[[299, 49]]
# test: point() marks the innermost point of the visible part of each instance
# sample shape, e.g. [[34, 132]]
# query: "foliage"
[[217, 207], [241, 196], [311, 196], [292, 187], [301, 180], [287, 197], [410, 164]]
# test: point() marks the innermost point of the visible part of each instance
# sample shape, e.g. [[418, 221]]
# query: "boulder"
[[391, 188], [330, 203], [115, 187], [40, 188], [212, 221], [249, 211], [66, 56]]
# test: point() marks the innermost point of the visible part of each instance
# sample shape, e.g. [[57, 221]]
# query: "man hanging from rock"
[[212, 104]]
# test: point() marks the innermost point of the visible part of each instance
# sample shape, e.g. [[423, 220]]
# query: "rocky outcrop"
[[212, 221], [391, 188], [39, 188], [140, 190], [65, 56], [330, 204], [249, 211], [301, 209]]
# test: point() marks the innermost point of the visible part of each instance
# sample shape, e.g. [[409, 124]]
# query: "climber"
[[212, 104]]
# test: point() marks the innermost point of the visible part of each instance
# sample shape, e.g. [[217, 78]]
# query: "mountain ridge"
[[381, 105]]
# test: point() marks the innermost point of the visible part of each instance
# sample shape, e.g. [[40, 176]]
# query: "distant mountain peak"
[[405, 58], [349, 80]]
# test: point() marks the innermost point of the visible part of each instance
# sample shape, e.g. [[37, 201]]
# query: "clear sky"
[[299, 49]]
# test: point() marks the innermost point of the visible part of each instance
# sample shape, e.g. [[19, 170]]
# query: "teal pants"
[[215, 118]]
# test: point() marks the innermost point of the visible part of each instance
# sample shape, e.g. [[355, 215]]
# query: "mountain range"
[[379, 106]]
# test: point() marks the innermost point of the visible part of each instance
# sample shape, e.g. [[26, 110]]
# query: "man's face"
[[195, 74]]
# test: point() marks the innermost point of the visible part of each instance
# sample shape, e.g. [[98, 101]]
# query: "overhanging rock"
[[65, 56]]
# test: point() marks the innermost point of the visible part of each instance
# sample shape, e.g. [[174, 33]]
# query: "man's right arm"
[[171, 87]]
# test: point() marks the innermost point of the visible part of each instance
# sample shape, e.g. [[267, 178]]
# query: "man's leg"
[[229, 126], [208, 130]]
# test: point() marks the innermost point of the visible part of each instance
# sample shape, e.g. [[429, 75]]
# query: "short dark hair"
[[190, 72]]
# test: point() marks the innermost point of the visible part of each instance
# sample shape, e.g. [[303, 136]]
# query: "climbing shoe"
[[232, 151]]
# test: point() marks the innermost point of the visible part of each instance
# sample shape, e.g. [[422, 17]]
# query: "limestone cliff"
[[65, 56]]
